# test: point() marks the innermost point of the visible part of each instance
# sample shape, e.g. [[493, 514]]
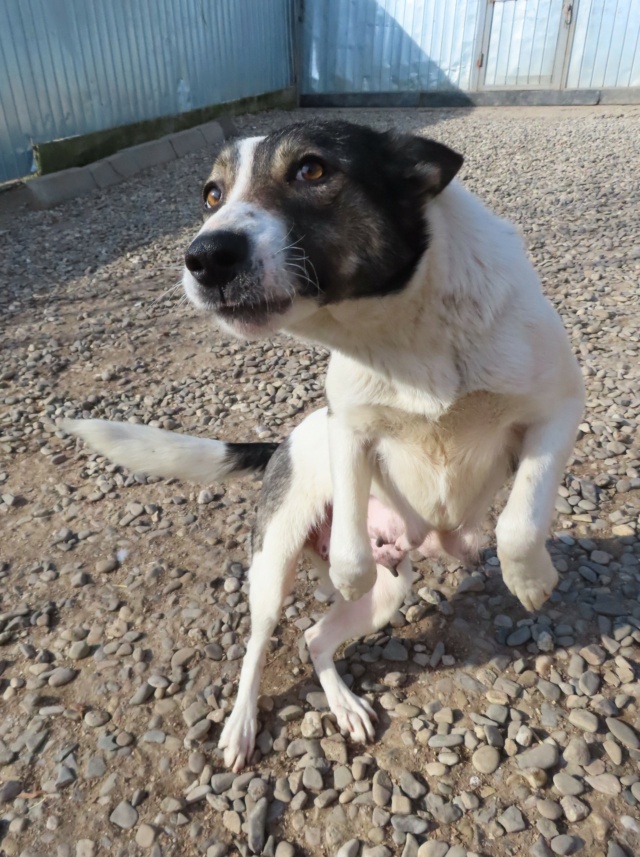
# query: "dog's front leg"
[[524, 524], [352, 567]]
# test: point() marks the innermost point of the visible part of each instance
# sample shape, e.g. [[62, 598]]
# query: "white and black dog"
[[449, 370]]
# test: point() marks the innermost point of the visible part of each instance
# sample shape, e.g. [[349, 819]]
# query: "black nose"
[[215, 258]]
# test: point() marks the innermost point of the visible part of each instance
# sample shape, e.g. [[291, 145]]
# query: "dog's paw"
[[531, 582], [238, 739], [353, 577], [355, 717]]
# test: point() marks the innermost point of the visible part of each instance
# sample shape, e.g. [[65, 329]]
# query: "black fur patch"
[[276, 483], [361, 227], [253, 457]]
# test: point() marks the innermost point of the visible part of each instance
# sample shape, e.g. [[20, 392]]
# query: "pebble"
[[606, 784], [512, 820], [574, 809], [124, 816], [146, 835], [10, 790], [585, 720], [567, 785], [563, 844], [433, 848], [486, 759], [623, 732], [256, 821], [543, 756], [61, 676], [351, 848]]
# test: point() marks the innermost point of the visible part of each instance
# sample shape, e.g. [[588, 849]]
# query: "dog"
[[449, 372]]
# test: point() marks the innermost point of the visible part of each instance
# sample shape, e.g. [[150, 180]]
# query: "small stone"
[[142, 694], [549, 809], [85, 848], [409, 824], [61, 676], [395, 651], [183, 658], [563, 844], [256, 821], [95, 719], [146, 835], [312, 779], [486, 759], [540, 849], [520, 636], [105, 566], [433, 848], [574, 809], [9, 791], [290, 713], [606, 784], [349, 849], [79, 650], [232, 821], [585, 720], [512, 820], [542, 756], [623, 732], [577, 752], [567, 785], [124, 816], [411, 786]]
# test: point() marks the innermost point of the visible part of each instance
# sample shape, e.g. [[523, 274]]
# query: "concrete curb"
[[53, 189]]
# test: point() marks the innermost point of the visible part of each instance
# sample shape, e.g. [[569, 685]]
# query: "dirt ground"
[[123, 601]]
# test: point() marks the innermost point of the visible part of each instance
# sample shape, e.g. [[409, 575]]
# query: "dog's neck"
[[449, 306]]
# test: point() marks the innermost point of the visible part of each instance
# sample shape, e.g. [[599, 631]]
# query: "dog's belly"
[[449, 470]]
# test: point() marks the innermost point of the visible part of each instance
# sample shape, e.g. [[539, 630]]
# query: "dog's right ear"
[[430, 162]]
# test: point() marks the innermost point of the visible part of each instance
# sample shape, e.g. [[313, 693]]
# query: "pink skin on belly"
[[385, 528]]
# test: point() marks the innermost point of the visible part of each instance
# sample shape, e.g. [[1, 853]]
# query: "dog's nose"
[[215, 258]]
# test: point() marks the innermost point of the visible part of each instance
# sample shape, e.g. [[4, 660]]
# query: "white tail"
[[144, 449]]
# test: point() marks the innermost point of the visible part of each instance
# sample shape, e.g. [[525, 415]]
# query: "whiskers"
[[298, 263]]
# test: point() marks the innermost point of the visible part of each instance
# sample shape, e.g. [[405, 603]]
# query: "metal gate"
[[437, 51], [525, 44]]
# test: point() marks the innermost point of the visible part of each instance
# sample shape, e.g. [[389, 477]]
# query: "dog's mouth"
[[255, 312]]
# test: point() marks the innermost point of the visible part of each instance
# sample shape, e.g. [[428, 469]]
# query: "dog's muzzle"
[[214, 259]]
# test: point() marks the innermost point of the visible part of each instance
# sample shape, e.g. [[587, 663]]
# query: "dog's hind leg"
[[271, 579], [344, 621]]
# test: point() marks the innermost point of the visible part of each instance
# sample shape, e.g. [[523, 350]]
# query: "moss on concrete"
[[87, 148]]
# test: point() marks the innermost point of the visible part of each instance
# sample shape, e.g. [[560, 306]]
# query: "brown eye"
[[214, 195], [310, 171]]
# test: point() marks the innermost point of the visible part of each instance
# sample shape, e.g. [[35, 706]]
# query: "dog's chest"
[[444, 466]]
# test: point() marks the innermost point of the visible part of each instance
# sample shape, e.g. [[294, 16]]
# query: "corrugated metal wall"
[[70, 67], [606, 45], [352, 46], [523, 42], [388, 45]]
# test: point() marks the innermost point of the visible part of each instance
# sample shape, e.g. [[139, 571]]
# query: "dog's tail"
[[144, 449]]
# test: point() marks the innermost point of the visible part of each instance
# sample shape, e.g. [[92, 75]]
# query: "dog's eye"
[[213, 197], [310, 170]]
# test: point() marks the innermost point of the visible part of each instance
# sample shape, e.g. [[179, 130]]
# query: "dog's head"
[[314, 214]]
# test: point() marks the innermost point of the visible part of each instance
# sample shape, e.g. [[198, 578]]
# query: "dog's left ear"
[[430, 162]]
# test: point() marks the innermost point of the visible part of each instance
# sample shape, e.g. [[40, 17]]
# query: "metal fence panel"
[[388, 45], [606, 45], [71, 67], [523, 41]]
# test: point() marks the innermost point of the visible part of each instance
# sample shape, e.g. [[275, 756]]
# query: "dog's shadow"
[[479, 637]]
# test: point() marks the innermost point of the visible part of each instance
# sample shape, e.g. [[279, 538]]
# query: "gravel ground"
[[124, 606]]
